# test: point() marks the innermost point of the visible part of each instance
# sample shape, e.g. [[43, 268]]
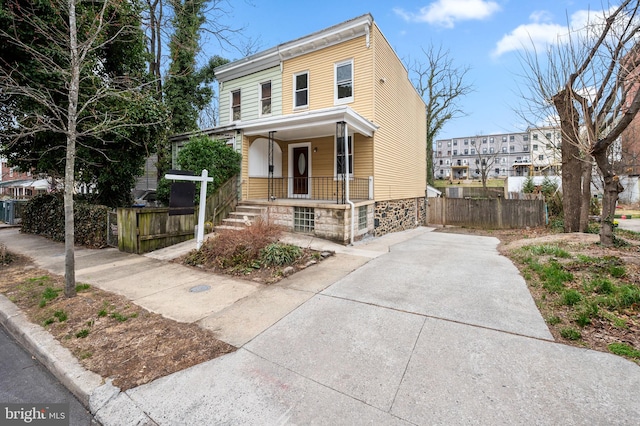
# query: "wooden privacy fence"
[[496, 213], [141, 230]]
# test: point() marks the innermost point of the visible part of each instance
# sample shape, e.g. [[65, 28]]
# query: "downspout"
[[346, 167]]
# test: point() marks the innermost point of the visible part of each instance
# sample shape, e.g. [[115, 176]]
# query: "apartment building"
[[534, 152]]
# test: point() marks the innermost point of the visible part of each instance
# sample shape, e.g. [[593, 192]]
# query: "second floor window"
[[235, 105], [301, 90], [265, 98], [344, 82]]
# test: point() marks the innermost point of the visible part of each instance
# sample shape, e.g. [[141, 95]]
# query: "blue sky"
[[486, 35]]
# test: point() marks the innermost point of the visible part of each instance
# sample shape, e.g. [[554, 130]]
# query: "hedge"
[[44, 215]]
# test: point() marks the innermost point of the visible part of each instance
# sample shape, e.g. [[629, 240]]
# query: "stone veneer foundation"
[[398, 215]]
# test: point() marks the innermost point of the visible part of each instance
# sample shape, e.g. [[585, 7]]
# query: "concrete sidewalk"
[[440, 330]]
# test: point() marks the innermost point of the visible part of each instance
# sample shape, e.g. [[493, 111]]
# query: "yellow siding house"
[[332, 133]]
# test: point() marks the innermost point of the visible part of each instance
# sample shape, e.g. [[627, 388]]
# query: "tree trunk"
[[585, 208], [612, 187], [69, 178], [571, 164]]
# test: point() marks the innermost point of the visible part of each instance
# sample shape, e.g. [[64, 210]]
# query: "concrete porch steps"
[[244, 215]]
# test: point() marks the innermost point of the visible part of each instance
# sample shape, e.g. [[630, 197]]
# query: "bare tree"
[[442, 85], [70, 46], [591, 80], [486, 159]]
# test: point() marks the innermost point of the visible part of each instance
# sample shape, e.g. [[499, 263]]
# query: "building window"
[[484, 150], [473, 151], [448, 152], [541, 157], [504, 139], [525, 148], [512, 148], [491, 149], [449, 143], [548, 135], [466, 152], [484, 140], [362, 217], [535, 136], [447, 162], [512, 138], [525, 137], [439, 144], [466, 141], [301, 88], [439, 153], [340, 163], [441, 162], [504, 149], [491, 140], [265, 98], [535, 146], [455, 142], [497, 170], [303, 219], [344, 82], [503, 160], [455, 152], [548, 146], [235, 105]]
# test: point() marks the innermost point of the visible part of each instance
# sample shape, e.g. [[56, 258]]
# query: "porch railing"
[[323, 188]]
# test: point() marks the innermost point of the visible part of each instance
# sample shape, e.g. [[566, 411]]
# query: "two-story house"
[[331, 131]]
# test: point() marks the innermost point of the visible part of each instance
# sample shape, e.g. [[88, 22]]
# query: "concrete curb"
[[90, 388]]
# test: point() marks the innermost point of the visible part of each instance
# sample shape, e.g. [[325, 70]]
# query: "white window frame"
[[261, 99], [350, 155], [295, 90], [231, 115], [348, 99]]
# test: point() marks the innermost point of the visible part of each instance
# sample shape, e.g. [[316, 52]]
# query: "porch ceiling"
[[309, 124]]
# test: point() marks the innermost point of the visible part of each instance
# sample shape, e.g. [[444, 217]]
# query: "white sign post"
[[203, 179]]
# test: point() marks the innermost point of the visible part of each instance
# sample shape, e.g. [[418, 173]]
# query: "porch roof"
[[309, 124]]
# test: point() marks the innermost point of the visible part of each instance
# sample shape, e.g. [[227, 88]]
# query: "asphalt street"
[[25, 380]]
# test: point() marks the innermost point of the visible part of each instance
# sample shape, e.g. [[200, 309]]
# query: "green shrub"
[[44, 215], [201, 152], [278, 254]]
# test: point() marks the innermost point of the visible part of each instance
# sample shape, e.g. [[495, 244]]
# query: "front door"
[[301, 170]]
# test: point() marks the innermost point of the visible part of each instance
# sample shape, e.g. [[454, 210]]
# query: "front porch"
[[322, 189]]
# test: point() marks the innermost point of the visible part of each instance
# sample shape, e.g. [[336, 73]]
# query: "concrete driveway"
[[441, 330]]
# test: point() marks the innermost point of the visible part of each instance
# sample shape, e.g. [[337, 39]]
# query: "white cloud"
[[541, 32], [447, 12], [524, 36]]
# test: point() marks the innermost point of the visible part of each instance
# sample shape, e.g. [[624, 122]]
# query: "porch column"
[[270, 181], [342, 161]]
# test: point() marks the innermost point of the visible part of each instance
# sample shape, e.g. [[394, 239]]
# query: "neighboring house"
[[287, 110], [534, 152], [18, 185]]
